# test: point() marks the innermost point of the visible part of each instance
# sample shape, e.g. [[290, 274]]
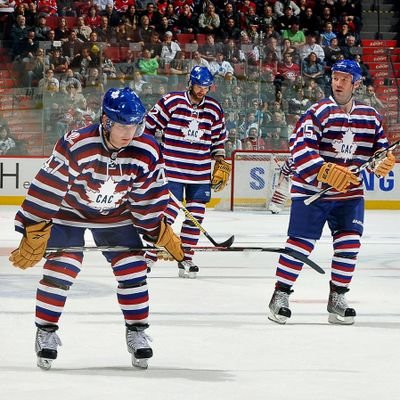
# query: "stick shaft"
[[249, 249]]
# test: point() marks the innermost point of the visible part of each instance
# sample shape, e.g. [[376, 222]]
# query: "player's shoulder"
[[86, 135], [145, 142]]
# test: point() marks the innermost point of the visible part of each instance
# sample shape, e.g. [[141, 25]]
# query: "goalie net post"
[[255, 175]]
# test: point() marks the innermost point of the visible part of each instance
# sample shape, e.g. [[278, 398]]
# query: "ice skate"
[[339, 311], [138, 345], [46, 345], [279, 306], [187, 269]]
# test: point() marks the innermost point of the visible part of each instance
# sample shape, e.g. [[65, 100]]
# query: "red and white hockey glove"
[[221, 174]]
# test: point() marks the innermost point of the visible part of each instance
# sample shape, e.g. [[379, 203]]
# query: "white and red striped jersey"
[[325, 133], [190, 135], [84, 184]]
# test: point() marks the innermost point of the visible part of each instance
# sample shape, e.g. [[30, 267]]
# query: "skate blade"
[[187, 275], [140, 363], [44, 363], [279, 319], [339, 320]]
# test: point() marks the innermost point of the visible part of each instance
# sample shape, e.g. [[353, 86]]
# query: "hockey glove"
[[170, 241], [383, 167], [221, 174], [32, 247], [337, 176]]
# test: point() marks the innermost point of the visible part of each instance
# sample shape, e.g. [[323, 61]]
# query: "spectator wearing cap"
[[169, 48], [280, 8]]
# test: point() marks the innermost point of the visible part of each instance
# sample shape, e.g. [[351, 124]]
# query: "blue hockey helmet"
[[123, 106], [201, 76], [348, 67]]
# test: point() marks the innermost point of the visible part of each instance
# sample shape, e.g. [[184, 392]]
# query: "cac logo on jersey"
[[346, 147], [106, 198], [192, 133]]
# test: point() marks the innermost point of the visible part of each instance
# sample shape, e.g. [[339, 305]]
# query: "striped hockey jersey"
[[84, 184], [190, 135], [325, 133]]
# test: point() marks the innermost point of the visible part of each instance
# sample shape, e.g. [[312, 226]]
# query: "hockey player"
[[332, 137], [192, 130], [101, 177]]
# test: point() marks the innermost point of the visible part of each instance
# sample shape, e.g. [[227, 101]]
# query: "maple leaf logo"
[[106, 197], [345, 148]]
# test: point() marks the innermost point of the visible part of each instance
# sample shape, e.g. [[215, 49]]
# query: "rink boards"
[[17, 173]]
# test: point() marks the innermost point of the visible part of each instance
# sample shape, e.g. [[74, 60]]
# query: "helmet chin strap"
[[107, 137]]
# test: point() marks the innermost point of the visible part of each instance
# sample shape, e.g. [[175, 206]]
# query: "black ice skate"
[[187, 269], [138, 345], [279, 305], [46, 344], [338, 309]]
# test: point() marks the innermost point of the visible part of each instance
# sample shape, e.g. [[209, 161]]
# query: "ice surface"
[[211, 336]]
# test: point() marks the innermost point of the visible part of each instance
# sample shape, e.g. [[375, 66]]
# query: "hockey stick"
[[227, 243], [379, 155], [281, 250]]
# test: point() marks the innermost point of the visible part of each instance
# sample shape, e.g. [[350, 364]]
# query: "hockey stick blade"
[[298, 256], [377, 156], [197, 224]]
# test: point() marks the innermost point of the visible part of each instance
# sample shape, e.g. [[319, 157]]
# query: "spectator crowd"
[[271, 59]]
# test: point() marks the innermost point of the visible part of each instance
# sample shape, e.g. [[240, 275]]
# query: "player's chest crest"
[[106, 197], [345, 147], [193, 133]]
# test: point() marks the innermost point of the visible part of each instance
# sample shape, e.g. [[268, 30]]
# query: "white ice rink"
[[211, 336]]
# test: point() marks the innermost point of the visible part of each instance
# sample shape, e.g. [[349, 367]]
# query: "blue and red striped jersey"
[[85, 184], [190, 135], [325, 133]]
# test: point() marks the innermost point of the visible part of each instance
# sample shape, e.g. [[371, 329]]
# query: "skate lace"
[[48, 340], [338, 302], [188, 263], [281, 299], [138, 340]]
